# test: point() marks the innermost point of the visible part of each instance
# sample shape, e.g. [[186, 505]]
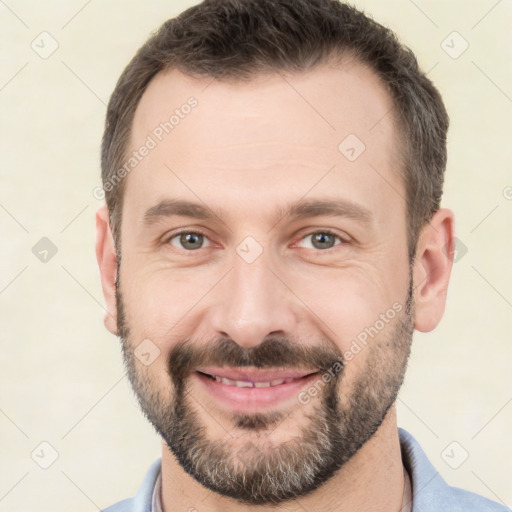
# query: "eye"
[[189, 240], [321, 240]]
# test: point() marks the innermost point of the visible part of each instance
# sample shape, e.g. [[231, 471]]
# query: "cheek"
[[347, 303], [162, 304], [152, 291], [167, 305]]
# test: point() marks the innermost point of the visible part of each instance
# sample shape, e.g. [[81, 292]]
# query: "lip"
[[252, 399], [255, 375]]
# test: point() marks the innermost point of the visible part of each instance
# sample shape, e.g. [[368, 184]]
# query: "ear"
[[107, 262], [432, 269]]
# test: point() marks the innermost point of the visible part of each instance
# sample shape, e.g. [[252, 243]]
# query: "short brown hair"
[[237, 39]]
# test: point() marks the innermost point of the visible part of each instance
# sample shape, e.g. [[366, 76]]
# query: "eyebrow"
[[299, 210]]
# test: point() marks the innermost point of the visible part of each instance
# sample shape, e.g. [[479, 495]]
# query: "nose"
[[252, 304]]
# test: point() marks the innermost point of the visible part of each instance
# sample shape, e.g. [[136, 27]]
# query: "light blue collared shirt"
[[430, 493]]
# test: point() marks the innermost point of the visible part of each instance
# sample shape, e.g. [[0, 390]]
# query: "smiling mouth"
[[246, 383]]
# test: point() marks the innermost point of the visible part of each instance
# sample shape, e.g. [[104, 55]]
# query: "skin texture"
[[245, 152]]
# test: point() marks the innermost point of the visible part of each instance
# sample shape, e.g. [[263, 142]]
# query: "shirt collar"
[[156, 501]]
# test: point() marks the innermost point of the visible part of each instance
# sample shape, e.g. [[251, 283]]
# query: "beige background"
[[62, 380]]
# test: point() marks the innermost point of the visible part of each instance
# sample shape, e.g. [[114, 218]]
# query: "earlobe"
[[107, 262], [432, 269]]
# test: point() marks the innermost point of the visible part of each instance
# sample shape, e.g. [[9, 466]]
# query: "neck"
[[372, 480]]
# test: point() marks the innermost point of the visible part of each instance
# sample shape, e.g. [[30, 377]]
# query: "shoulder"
[[141, 502], [121, 506], [470, 501], [429, 489]]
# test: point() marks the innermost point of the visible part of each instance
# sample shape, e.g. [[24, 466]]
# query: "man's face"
[[288, 280]]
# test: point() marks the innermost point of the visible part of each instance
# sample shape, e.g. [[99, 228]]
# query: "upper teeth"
[[250, 384]]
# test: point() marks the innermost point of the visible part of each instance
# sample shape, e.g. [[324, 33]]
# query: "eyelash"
[[168, 239]]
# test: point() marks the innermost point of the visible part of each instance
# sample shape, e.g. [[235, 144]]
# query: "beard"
[[252, 468]]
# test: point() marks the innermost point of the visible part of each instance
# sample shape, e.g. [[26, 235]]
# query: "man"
[[272, 237]]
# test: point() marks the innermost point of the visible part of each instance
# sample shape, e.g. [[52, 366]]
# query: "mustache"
[[273, 352]]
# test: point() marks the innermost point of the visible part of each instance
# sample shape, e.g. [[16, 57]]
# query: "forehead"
[[336, 97], [277, 131]]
